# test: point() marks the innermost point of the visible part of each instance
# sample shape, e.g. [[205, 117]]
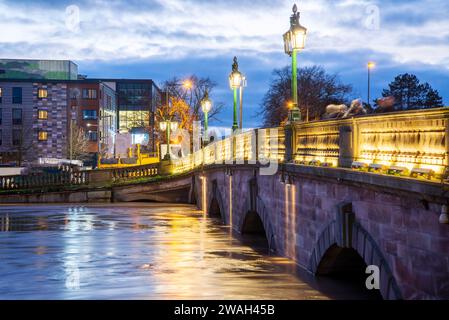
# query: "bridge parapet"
[[254, 146], [411, 140], [410, 143]]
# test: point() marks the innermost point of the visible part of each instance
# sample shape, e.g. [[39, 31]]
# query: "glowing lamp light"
[[163, 125], [235, 79], [173, 126], [187, 84], [206, 104], [371, 65], [295, 38]]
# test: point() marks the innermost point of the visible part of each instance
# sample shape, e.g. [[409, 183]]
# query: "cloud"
[[173, 29], [163, 38]]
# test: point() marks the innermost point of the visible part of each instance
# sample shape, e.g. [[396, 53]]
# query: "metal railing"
[[130, 173]]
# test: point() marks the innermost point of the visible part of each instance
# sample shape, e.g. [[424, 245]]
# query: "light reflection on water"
[[134, 251]]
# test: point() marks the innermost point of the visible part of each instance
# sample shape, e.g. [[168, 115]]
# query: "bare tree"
[[79, 144], [23, 147], [193, 95], [316, 90]]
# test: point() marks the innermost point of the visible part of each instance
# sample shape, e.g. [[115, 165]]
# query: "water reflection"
[[134, 251]]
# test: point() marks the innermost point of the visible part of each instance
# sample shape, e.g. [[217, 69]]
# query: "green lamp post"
[[294, 41], [235, 82], [206, 105], [168, 126]]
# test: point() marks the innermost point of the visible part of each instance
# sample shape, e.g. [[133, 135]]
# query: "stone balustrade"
[[42, 180], [412, 143], [259, 145], [412, 140], [78, 178]]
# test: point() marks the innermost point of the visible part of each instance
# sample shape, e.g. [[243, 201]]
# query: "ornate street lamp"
[[235, 82], [206, 106], [294, 41], [168, 126]]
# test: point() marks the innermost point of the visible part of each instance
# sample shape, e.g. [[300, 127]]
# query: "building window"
[[42, 93], [92, 135], [1, 94], [17, 95], [89, 114], [1, 115], [74, 93], [16, 137], [42, 136], [16, 116], [89, 94], [42, 115]]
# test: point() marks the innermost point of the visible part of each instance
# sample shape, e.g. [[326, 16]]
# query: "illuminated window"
[[1, 94], [89, 114], [43, 135], [42, 93], [43, 115], [89, 94]]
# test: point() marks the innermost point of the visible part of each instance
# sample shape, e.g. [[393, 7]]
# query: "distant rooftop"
[[38, 69]]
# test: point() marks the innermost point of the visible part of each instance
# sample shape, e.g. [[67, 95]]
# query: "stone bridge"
[[344, 194], [326, 218]]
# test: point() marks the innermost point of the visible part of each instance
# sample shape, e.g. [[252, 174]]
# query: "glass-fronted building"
[[137, 102], [38, 69]]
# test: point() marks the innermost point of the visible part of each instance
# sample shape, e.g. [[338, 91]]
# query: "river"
[[136, 251]]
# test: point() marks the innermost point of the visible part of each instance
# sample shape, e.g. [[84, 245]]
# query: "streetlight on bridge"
[[236, 81], [294, 41], [168, 126]]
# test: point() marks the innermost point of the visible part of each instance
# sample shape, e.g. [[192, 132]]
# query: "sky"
[[160, 39]]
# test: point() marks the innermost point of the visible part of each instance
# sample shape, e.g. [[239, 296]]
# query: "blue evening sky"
[[159, 39]]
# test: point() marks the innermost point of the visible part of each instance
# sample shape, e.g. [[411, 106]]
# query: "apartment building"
[[42, 103], [33, 120], [92, 107]]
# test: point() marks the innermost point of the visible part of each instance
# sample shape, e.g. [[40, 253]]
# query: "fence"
[[124, 174]]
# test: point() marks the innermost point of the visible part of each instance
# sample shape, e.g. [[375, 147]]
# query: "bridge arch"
[[216, 208], [257, 220], [342, 242]]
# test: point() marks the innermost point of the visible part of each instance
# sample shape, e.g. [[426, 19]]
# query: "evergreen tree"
[[409, 93]]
